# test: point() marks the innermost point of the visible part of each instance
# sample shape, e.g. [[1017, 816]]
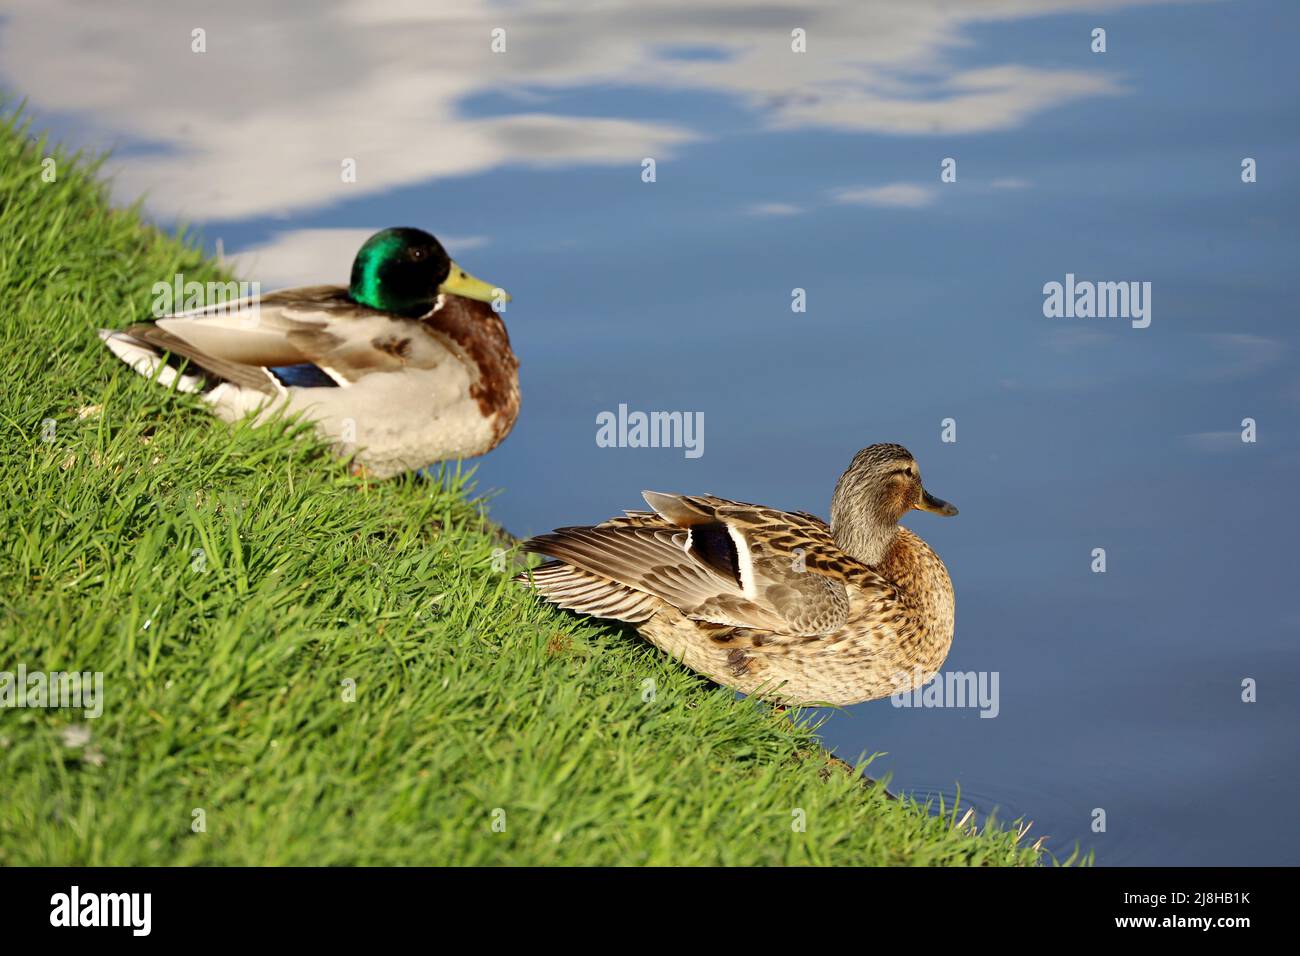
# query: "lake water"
[[778, 171]]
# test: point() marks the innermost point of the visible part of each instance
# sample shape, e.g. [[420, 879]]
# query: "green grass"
[[228, 581]]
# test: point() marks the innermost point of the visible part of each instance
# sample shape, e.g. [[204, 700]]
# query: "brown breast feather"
[[480, 334]]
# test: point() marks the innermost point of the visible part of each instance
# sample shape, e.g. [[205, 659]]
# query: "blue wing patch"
[[302, 376]]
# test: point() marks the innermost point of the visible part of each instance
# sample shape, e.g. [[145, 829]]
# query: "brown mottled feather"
[[817, 625]]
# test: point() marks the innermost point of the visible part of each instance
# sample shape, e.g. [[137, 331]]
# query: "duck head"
[[881, 485], [405, 270]]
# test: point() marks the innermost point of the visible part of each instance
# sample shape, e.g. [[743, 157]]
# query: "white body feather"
[[375, 418]]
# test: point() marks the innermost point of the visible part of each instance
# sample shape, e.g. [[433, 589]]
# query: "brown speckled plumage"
[[772, 602]]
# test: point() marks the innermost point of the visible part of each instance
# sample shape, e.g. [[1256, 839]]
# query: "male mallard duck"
[[406, 366], [767, 601]]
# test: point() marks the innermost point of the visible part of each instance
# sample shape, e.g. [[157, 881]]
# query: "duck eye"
[[417, 253]]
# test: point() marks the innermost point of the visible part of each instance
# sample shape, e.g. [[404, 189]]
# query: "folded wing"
[[712, 559]]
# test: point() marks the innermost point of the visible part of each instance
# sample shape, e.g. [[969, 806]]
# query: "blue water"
[[1119, 691]]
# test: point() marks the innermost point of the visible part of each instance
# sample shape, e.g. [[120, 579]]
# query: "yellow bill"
[[459, 282]]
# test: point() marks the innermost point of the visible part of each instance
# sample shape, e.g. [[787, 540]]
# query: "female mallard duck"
[[773, 602], [406, 366]]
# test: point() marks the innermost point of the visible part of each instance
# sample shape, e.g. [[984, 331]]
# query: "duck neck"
[[868, 541], [864, 520], [862, 529]]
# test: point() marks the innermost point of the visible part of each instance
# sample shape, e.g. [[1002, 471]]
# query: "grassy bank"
[[319, 672]]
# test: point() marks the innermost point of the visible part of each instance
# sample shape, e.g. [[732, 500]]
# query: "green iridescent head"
[[404, 270]]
